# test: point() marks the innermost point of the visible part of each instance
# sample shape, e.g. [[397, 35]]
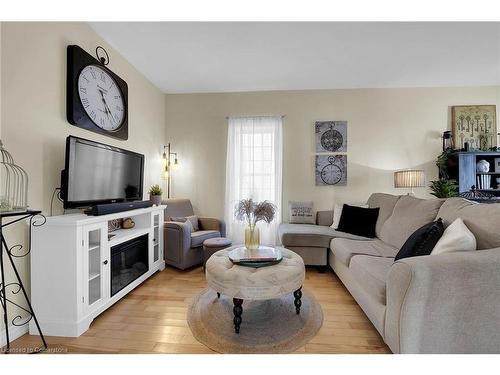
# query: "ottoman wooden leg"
[[237, 310], [298, 295], [218, 295]]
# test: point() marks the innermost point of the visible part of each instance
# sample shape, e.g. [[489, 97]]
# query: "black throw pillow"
[[422, 241], [358, 220]]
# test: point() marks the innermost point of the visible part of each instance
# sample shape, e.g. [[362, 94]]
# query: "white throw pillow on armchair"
[[457, 237], [337, 213]]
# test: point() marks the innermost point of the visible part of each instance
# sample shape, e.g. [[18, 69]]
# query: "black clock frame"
[[78, 59]]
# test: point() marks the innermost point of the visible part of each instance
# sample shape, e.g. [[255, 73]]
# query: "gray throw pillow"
[[191, 220], [301, 212]]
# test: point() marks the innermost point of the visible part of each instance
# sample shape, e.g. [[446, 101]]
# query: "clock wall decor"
[[331, 146], [331, 170], [96, 98]]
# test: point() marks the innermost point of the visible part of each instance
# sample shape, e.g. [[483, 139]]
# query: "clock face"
[[101, 98]]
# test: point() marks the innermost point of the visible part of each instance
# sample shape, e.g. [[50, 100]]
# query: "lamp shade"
[[409, 178]]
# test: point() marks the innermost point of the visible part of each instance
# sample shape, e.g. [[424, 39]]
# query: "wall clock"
[[96, 98], [331, 170]]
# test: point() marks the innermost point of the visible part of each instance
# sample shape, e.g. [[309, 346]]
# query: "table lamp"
[[410, 178]]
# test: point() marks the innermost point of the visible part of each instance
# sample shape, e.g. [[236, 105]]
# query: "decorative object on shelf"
[[260, 257], [483, 181], [96, 98], [155, 193], [168, 165], [128, 223], [497, 165], [447, 141], [250, 212], [476, 125], [444, 188], [13, 184], [482, 166], [114, 225], [409, 178], [13, 288], [476, 195], [331, 170], [331, 136]]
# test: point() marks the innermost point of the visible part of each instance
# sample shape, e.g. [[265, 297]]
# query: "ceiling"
[[254, 56]]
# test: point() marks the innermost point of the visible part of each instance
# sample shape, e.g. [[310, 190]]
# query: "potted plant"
[[250, 212], [444, 188], [155, 194]]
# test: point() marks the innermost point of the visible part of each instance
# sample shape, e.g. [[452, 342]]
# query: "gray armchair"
[[182, 247]]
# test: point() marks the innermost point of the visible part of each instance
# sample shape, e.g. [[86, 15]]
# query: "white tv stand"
[[70, 266]]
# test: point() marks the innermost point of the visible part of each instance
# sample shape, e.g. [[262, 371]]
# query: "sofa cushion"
[[301, 212], [386, 203], [457, 237], [482, 219], [198, 237], [409, 214], [358, 220], [308, 235], [344, 249], [422, 241], [371, 274]]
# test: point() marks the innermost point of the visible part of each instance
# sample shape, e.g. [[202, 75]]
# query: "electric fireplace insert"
[[129, 260]]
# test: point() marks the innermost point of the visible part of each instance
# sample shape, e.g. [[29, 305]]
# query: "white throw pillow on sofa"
[[457, 237], [337, 213]]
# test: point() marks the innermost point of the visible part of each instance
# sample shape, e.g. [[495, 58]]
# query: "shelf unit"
[[462, 167]]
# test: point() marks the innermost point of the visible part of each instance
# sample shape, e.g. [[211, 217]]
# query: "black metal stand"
[[17, 286]]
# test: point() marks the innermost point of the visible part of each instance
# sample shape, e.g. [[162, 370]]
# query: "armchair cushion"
[[198, 237], [211, 223], [190, 220]]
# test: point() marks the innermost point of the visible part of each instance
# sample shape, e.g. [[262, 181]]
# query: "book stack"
[[483, 181]]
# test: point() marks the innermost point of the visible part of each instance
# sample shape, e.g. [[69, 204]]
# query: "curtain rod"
[[228, 117]]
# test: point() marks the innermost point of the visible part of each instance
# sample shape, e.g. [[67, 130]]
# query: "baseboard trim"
[[14, 333]]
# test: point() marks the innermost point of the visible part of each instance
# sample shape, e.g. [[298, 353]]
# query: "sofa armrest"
[[324, 218], [212, 223], [447, 303]]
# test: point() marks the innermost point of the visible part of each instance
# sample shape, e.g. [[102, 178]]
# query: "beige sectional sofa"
[[447, 303]]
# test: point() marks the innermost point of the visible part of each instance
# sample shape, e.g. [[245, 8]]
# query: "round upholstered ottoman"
[[212, 245], [241, 282]]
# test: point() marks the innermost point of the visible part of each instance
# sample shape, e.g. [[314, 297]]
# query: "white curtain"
[[253, 170]]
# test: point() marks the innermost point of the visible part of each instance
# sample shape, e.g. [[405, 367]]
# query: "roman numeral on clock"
[[85, 102]]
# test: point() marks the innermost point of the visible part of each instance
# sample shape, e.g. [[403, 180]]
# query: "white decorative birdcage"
[[13, 184]]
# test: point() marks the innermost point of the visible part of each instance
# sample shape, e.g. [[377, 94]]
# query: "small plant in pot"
[[155, 193], [250, 212]]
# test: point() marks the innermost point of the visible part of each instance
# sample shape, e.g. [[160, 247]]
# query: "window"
[[253, 170]]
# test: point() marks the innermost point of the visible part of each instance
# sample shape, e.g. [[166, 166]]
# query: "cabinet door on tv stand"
[[157, 238], [96, 266]]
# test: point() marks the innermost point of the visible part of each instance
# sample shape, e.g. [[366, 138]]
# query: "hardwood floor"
[[152, 319]]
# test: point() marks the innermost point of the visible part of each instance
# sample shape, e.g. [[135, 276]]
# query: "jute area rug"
[[270, 326]]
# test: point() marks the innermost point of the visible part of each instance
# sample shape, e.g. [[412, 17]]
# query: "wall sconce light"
[[167, 159]]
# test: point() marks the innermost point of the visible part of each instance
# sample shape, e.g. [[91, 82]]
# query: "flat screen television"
[[96, 173]]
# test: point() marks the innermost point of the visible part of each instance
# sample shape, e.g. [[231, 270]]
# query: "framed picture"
[[331, 136], [497, 165], [331, 170], [475, 125]]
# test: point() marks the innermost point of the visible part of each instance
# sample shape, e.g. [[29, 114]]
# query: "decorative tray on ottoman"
[[261, 257]]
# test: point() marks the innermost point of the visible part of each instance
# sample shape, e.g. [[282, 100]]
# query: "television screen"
[[98, 173]]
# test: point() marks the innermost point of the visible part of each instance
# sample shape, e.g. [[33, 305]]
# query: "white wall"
[[33, 96], [388, 129]]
